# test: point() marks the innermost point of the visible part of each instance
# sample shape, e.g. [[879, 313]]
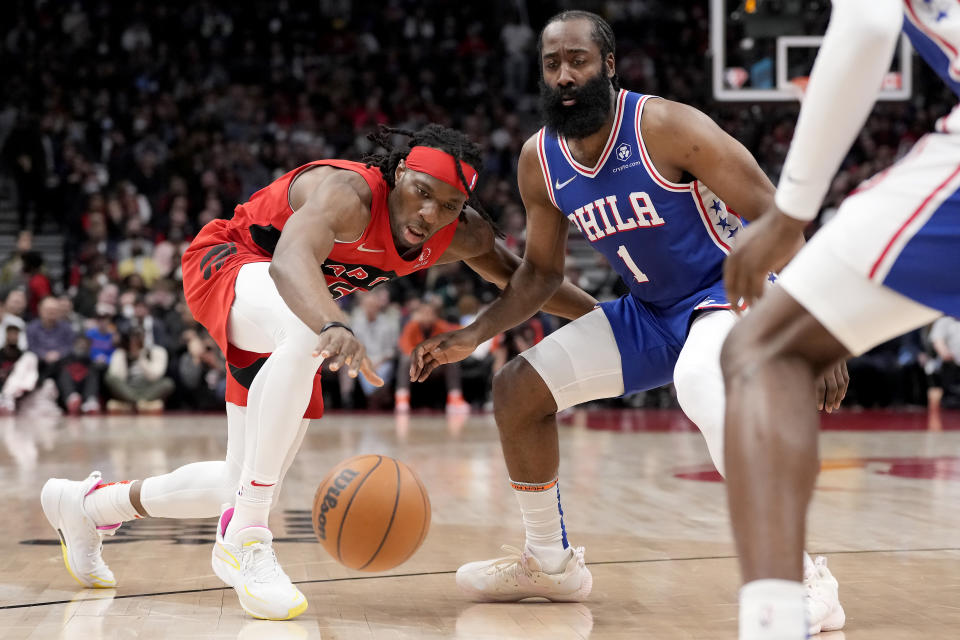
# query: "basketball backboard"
[[763, 50]]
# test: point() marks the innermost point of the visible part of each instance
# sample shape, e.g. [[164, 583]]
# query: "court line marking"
[[441, 573]]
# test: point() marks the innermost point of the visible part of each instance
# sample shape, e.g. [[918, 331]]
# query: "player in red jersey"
[[265, 284]]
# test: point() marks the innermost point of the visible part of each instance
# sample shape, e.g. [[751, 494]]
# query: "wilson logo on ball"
[[341, 482]]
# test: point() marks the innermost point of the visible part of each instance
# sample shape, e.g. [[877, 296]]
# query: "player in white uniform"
[[887, 264]]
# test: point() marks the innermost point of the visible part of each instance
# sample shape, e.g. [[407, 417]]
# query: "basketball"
[[371, 513]]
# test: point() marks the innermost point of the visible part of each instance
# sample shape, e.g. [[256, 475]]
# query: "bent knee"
[[692, 379], [739, 349], [518, 387]]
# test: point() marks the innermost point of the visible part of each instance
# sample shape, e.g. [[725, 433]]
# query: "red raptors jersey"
[[211, 263], [351, 266]]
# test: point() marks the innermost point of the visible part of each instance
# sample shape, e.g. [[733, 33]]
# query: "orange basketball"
[[371, 513]]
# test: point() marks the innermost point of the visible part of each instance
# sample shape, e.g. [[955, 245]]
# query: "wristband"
[[331, 325]]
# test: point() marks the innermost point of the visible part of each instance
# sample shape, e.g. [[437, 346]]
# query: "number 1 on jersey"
[[640, 276]]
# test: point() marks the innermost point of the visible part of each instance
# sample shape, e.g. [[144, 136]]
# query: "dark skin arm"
[[330, 205], [534, 281], [682, 139], [477, 246]]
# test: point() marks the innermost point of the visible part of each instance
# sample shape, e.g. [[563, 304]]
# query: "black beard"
[[586, 116]]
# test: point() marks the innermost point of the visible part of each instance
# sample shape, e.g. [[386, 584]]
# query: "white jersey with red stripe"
[[666, 240]]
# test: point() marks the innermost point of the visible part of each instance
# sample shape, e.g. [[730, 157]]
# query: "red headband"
[[442, 166]]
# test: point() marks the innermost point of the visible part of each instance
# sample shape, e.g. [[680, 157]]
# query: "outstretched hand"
[[441, 349], [342, 348]]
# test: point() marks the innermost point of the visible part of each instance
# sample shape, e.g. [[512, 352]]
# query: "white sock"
[[109, 504], [543, 523], [773, 610], [253, 504]]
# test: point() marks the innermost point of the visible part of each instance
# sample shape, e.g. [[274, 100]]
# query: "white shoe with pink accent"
[[81, 540], [245, 561]]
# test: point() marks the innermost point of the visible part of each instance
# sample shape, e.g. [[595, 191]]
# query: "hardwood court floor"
[[638, 492]]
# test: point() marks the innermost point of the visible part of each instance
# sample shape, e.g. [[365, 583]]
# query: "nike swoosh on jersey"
[[362, 248], [560, 185]]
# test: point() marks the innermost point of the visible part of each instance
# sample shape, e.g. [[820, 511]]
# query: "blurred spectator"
[[102, 336], [136, 256], [139, 316], [202, 371], [136, 376], [26, 158], [79, 379], [163, 302], [889, 374], [476, 370], [18, 371], [50, 337], [513, 342], [425, 322], [11, 314], [945, 371], [37, 283], [517, 39], [378, 329], [76, 321], [11, 271]]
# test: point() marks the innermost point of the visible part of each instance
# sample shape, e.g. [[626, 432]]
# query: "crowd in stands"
[[125, 127]]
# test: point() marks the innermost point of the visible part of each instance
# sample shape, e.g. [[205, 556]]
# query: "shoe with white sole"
[[824, 612], [245, 561], [518, 576], [81, 541]]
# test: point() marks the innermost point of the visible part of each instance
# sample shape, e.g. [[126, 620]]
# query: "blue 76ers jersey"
[[666, 240]]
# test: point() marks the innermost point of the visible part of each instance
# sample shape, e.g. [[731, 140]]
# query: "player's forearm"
[[302, 286], [526, 292], [570, 301], [844, 84], [499, 265]]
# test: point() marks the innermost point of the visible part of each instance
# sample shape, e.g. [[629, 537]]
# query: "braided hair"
[[437, 137], [601, 34]]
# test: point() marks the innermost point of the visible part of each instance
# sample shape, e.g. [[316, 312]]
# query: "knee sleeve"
[[580, 361], [699, 381]]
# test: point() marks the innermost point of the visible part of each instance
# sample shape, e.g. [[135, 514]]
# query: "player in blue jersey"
[[661, 191], [886, 264]]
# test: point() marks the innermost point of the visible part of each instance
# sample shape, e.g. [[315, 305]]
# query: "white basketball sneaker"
[[824, 612], [246, 562], [81, 541], [518, 576]]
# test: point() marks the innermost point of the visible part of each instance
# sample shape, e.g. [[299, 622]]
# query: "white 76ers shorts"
[[889, 261]]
